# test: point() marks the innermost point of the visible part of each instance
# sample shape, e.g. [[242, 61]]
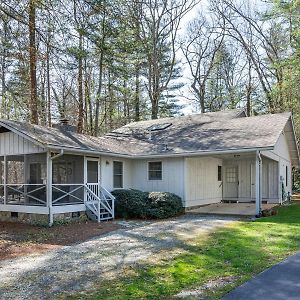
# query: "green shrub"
[[154, 205], [164, 205], [130, 203]]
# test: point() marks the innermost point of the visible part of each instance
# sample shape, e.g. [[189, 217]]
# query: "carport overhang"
[[255, 154]]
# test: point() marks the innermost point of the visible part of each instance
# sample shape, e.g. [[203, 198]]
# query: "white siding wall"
[[172, 176], [282, 152], [12, 144], [246, 178], [202, 185], [107, 172]]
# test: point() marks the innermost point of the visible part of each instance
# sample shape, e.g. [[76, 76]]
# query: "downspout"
[[258, 184], [49, 185], [61, 153]]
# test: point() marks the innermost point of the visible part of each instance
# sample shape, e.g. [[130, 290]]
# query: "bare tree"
[[200, 47], [242, 24], [160, 20], [33, 62]]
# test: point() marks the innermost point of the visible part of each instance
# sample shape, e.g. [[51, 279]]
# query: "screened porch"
[[23, 180]]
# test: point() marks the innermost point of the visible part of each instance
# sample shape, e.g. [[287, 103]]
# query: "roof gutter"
[[89, 152], [205, 153], [167, 154]]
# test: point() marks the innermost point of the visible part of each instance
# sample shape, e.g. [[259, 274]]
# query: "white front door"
[[92, 176], [91, 170], [231, 187]]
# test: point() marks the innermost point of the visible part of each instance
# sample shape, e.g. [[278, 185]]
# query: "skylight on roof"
[[161, 126]]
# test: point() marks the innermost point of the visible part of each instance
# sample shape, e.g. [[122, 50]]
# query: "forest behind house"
[[105, 63]]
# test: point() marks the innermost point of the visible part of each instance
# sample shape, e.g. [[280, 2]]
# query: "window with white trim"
[[118, 174], [155, 170]]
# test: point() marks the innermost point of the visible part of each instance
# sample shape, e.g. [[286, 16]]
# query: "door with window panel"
[[231, 186], [92, 175]]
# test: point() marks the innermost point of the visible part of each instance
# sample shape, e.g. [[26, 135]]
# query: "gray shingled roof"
[[210, 132], [206, 132]]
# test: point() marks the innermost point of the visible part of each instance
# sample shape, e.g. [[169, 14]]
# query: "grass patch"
[[237, 251]]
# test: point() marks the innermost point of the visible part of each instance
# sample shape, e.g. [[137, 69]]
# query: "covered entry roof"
[[194, 134]]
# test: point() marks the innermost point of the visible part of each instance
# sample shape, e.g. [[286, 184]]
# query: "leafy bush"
[[164, 205], [130, 203], [138, 204]]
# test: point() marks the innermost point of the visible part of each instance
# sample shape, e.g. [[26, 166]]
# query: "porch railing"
[[63, 194], [96, 198], [23, 194], [99, 201]]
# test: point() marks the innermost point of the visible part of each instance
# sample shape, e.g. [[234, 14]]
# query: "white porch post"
[[258, 184], [49, 187], [5, 179], [25, 177]]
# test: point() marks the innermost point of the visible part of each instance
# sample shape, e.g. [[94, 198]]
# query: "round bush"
[[130, 203], [164, 205], [154, 205]]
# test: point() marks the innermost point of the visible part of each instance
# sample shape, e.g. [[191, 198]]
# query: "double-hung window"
[[118, 174], [155, 170]]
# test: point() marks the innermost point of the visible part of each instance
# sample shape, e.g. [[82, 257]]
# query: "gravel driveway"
[[73, 268]]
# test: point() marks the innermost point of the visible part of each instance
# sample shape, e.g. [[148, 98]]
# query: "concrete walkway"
[[234, 209], [281, 282], [75, 268]]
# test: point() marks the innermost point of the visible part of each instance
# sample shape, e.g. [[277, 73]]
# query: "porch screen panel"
[[1, 179], [35, 178], [15, 181], [67, 178], [15, 170], [63, 172]]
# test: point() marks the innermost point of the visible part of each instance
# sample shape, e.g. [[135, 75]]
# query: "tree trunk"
[[137, 12], [154, 108], [33, 105], [48, 81], [202, 98], [80, 88], [87, 99], [137, 93], [200, 93], [110, 103], [98, 98], [3, 68]]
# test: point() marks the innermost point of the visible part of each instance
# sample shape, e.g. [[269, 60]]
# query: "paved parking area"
[[280, 282]]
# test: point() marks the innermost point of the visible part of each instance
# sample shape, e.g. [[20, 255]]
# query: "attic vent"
[[156, 127]]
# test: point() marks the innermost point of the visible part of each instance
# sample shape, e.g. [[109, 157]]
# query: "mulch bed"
[[17, 239]]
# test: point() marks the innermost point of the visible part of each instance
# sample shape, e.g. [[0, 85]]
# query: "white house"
[[203, 158]]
